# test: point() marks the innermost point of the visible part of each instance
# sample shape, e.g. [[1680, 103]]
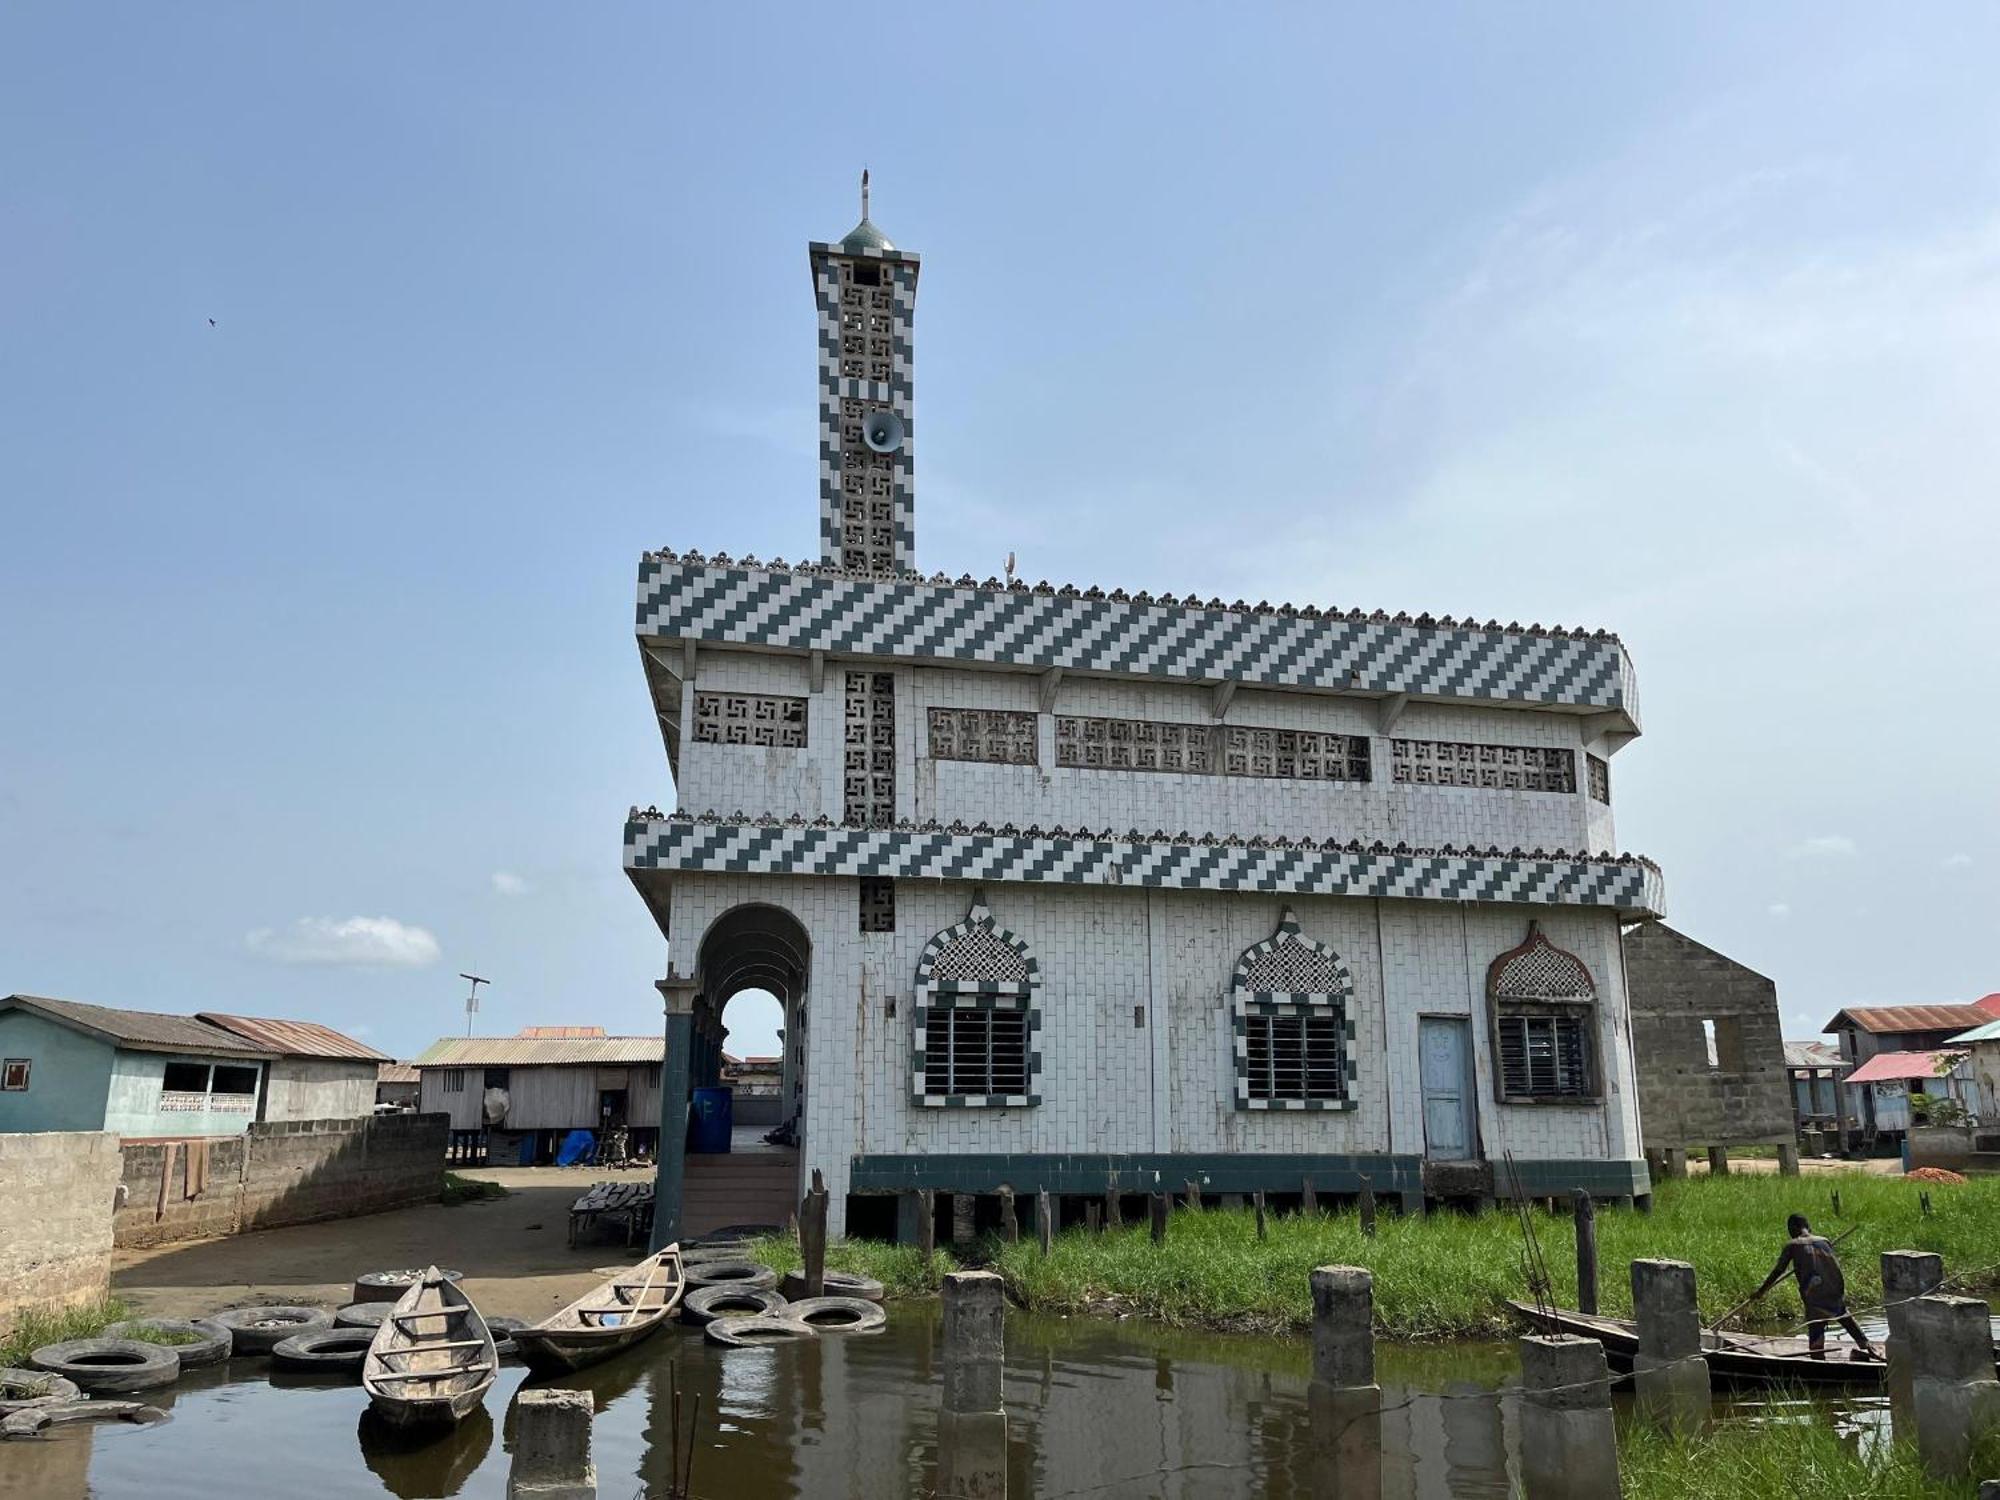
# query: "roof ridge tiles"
[[1424, 621]]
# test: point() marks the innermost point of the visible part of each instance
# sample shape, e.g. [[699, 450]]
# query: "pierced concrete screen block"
[[1303, 755], [1516, 768], [1133, 745], [878, 905], [749, 719], [998, 736], [868, 780], [1599, 770]]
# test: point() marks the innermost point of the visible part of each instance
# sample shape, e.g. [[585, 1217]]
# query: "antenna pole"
[[472, 999]]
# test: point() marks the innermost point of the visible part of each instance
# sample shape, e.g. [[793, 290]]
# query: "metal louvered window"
[[1296, 1057], [975, 1052], [1545, 1057], [454, 1080]]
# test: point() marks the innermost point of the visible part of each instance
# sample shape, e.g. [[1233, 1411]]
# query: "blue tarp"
[[575, 1147]]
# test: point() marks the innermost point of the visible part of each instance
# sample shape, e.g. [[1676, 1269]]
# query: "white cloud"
[[509, 884], [1822, 846], [1779, 910], [1958, 861], [358, 941]]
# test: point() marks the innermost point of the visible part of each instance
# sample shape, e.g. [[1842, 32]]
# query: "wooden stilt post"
[[1010, 1227], [1367, 1206], [1194, 1195], [1045, 1221], [1258, 1199], [1114, 1216], [1308, 1199], [927, 1223], [1156, 1208], [812, 1236], [1093, 1217], [1586, 1253]]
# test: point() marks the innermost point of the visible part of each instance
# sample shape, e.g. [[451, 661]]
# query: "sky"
[[351, 355]]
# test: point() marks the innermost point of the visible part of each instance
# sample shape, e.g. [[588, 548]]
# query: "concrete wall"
[[284, 1172], [68, 1077], [808, 781], [56, 1248], [139, 1107], [309, 1088], [1167, 1085], [1684, 1100]]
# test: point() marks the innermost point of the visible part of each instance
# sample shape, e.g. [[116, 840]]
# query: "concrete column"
[[552, 1447], [974, 1341], [1718, 1161], [670, 1170], [964, 1219], [1673, 1162], [1906, 1276], [1343, 1299], [1954, 1396], [1788, 1159], [1669, 1374], [1343, 1401], [1569, 1446]]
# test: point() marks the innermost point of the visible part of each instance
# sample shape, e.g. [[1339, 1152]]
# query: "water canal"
[[1111, 1410]]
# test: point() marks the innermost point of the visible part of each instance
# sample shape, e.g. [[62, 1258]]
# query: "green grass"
[[459, 1190], [152, 1333], [1804, 1460], [1448, 1275], [40, 1326], [900, 1269]]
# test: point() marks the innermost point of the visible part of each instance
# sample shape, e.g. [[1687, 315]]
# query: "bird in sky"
[[211, 322]]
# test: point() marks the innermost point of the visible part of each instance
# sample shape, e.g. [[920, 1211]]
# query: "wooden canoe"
[[432, 1360], [1734, 1359], [613, 1315]]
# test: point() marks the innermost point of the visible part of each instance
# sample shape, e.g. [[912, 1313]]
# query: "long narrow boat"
[[433, 1359], [613, 1315], [1734, 1359]]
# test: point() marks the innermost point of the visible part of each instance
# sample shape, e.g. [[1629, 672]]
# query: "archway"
[[760, 953]]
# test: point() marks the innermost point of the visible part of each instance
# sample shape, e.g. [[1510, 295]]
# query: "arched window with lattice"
[[1291, 1036], [1542, 1006], [978, 1029]]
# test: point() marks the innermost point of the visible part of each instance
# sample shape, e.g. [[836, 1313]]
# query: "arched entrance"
[[756, 949]]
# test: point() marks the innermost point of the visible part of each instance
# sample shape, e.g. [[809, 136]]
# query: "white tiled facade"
[[1136, 1063]]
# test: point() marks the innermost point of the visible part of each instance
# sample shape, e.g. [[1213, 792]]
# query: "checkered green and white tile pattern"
[[908, 618]]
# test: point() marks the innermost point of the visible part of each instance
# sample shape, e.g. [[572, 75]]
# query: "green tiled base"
[[1170, 1173]]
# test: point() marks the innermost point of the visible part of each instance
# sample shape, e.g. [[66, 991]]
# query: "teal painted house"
[[69, 1066]]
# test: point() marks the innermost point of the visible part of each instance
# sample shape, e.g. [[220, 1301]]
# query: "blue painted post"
[[676, 1081]]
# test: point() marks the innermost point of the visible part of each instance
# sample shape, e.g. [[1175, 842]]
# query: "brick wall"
[[284, 1172], [55, 1250], [1676, 984]]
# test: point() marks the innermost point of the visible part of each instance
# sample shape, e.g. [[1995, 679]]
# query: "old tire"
[[389, 1286], [109, 1366], [212, 1349], [26, 1390], [758, 1332], [362, 1314], [502, 1330], [833, 1284], [257, 1330], [328, 1351], [707, 1303], [839, 1314], [737, 1273]]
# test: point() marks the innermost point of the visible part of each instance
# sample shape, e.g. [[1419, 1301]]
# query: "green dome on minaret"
[[865, 236]]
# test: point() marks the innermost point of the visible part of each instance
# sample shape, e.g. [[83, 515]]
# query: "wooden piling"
[[1308, 1199], [1093, 1217], [927, 1223], [1194, 1195], [1367, 1206], [1045, 1221], [1586, 1253], [1114, 1214], [1010, 1227], [812, 1236], [1156, 1209], [1257, 1198]]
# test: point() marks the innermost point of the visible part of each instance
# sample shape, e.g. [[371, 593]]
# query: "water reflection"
[[1115, 1410]]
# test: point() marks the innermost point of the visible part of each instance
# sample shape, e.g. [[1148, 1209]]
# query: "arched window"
[[1542, 1004], [977, 1025], [1291, 1036]]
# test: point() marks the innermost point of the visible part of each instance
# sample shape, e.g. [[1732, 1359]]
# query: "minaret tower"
[[867, 292]]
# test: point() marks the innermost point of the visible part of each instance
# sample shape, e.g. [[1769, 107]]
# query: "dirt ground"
[[1811, 1166], [514, 1252]]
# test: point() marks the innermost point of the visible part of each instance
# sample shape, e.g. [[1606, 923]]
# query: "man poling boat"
[[1822, 1287]]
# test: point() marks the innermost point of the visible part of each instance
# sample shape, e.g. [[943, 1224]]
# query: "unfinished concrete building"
[[1710, 1052]]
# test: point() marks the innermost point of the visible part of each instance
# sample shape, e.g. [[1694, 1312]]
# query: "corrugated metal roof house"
[[543, 1084]]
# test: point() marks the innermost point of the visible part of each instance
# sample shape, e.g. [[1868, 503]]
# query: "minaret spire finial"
[[864, 192]]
